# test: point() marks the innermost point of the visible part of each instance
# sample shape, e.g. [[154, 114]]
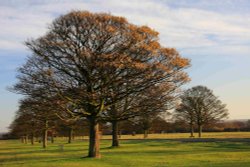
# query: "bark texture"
[[115, 139], [94, 139], [45, 134]]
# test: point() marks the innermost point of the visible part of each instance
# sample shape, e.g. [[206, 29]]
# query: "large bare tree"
[[84, 56]]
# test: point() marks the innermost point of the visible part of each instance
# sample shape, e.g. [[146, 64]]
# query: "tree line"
[[98, 68]]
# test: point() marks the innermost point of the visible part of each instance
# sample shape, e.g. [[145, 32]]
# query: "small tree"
[[185, 112], [22, 126], [200, 105], [145, 122]]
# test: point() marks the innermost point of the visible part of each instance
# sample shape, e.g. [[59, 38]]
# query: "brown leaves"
[[49, 72], [145, 30], [180, 62]]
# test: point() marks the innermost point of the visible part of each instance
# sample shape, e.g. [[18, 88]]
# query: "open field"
[[150, 152]]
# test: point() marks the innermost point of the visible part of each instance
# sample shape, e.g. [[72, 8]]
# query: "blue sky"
[[214, 34]]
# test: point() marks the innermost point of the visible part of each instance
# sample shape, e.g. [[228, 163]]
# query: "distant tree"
[[26, 123], [151, 121], [199, 104], [145, 121], [22, 127], [185, 112], [84, 56], [43, 114], [235, 125], [160, 125], [154, 103], [71, 127], [143, 106], [127, 127], [248, 124], [179, 125]]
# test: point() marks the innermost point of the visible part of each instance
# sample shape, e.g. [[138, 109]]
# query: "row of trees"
[[100, 68], [161, 123], [129, 127], [30, 124]]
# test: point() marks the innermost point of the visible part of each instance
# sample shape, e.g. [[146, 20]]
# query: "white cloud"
[[180, 28], [9, 45]]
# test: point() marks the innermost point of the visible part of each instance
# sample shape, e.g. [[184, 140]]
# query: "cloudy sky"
[[214, 34]]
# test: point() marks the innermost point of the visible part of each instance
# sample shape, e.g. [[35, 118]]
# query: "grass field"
[[151, 152], [186, 135]]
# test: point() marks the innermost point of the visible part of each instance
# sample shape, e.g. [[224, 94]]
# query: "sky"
[[214, 34]]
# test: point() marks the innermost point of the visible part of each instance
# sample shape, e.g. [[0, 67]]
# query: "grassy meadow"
[[157, 151]]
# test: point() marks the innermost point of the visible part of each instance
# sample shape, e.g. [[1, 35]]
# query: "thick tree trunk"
[[94, 139], [115, 140], [45, 134], [200, 130], [32, 138], [70, 134], [145, 133], [191, 130]]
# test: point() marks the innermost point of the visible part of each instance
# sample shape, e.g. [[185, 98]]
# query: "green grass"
[[186, 135], [144, 153]]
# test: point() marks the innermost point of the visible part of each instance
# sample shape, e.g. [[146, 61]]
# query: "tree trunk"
[[26, 139], [191, 130], [145, 133], [115, 140], [32, 138], [22, 139], [70, 134], [120, 134], [52, 138], [94, 140], [200, 130], [45, 134]]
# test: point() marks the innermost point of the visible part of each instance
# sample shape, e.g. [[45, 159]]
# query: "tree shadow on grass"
[[39, 160], [42, 156], [146, 141], [13, 148], [230, 146], [42, 151], [173, 148]]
